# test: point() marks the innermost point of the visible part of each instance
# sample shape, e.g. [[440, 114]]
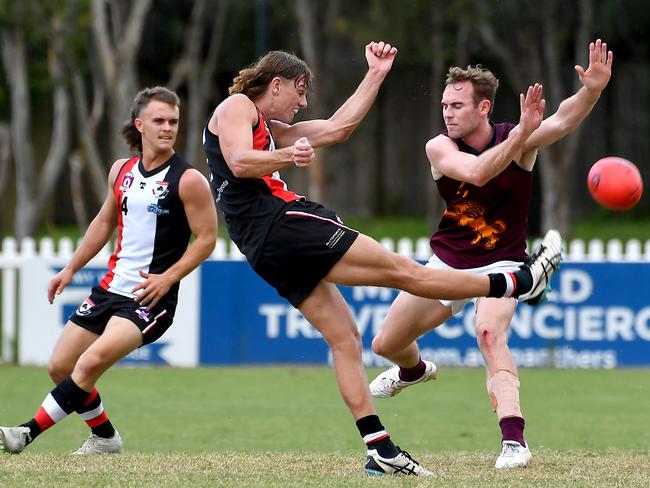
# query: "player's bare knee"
[[381, 347], [58, 370], [378, 345], [90, 365], [489, 336], [344, 339]]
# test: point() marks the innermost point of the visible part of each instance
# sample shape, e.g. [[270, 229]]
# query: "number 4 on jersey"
[[123, 206]]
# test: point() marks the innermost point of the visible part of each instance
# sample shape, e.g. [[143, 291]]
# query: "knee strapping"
[[503, 388]]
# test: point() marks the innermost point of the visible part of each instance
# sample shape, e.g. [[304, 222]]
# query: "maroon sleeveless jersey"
[[483, 225]]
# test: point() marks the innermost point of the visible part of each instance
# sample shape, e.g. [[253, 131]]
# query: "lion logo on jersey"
[[160, 189], [470, 214]]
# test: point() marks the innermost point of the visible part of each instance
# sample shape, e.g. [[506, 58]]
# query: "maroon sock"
[[512, 429], [414, 373]]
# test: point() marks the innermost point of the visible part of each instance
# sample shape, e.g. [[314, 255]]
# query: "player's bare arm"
[[232, 122], [338, 127], [446, 159], [97, 235], [194, 191], [575, 109]]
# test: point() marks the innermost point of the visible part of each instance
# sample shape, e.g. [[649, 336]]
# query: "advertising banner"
[[597, 316], [42, 323]]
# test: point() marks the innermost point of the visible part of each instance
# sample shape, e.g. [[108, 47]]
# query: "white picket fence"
[[13, 256], [614, 250]]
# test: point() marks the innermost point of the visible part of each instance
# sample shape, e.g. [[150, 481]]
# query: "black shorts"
[[302, 246], [95, 312]]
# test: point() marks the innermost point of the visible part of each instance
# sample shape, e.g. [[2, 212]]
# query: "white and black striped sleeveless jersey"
[[153, 232]]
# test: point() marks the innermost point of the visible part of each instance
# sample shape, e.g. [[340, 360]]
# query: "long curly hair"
[[159, 93], [253, 80]]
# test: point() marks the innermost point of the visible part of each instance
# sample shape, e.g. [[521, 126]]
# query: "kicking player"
[[304, 249]]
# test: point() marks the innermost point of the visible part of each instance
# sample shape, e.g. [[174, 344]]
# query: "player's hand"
[[303, 154], [154, 287], [532, 109], [380, 56], [62, 279], [599, 71]]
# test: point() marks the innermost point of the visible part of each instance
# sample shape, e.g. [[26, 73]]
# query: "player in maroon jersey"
[[303, 249], [156, 201], [484, 174]]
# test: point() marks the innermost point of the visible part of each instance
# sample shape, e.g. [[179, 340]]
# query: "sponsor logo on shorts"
[[157, 209], [85, 308], [144, 313], [336, 237]]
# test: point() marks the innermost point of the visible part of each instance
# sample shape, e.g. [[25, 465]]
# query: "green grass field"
[[286, 426]]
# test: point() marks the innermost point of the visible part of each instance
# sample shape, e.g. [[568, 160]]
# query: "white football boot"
[[14, 439], [100, 445], [544, 261], [513, 455], [401, 465], [388, 384]]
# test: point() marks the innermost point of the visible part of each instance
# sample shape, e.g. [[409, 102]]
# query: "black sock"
[[100, 425], [69, 396], [524, 281], [376, 437], [497, 285], [34, 430], [64, 399]]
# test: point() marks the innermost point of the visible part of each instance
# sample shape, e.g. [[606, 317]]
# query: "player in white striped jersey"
[[156, 201]]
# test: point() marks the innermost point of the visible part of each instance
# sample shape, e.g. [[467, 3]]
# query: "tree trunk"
[[308, 30], [435, 204], [13, 58], [558, 161], [117, 57], [5, 155]]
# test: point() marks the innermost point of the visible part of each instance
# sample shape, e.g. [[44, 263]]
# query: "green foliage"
[[604, 225]]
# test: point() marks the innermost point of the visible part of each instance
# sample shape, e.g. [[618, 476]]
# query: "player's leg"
[[74, 340], [493, 319], [409, 318], [366, 262], [327, 311], [120, 337]]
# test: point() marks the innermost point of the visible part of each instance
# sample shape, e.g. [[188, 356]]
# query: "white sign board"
[[42, 323]]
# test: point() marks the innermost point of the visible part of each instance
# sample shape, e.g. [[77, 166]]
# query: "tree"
[[117, 32], [537, 55], [197, 66], [33, 191]]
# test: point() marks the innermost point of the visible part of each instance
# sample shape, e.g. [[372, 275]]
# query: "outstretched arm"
[[339, 126], [97, 235], [575, 109]]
